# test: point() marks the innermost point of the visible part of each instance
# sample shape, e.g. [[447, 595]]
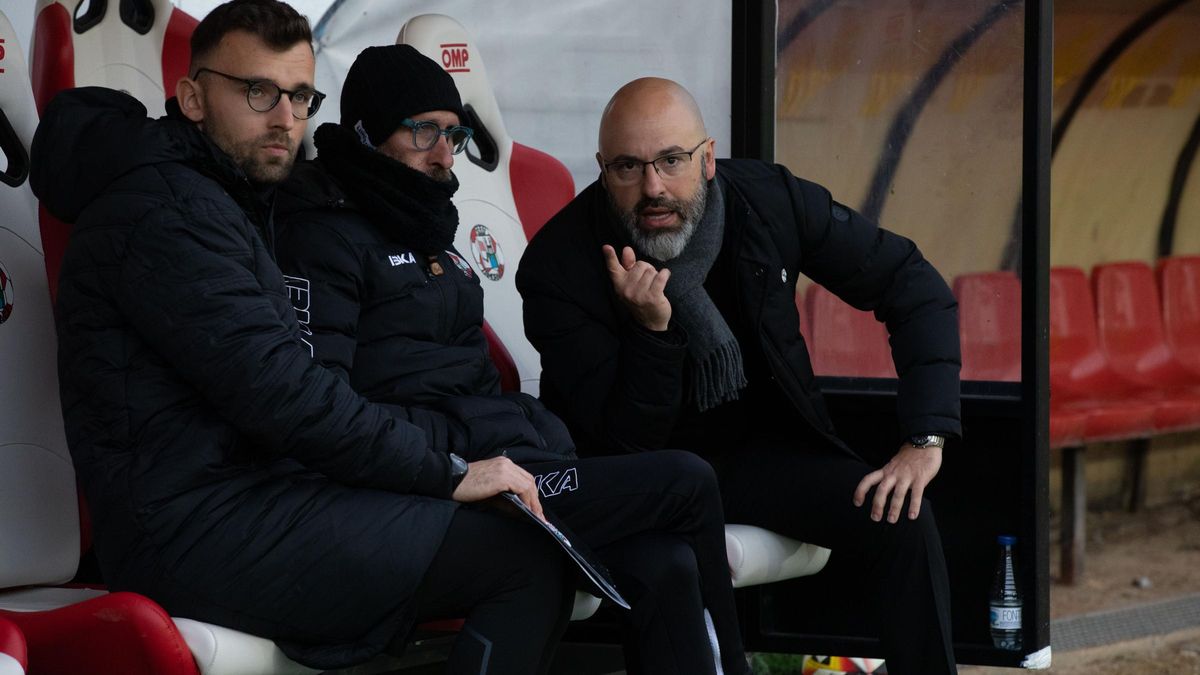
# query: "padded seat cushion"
[[758, 556]]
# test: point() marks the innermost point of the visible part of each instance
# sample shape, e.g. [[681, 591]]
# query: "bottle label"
[[1005, 618]]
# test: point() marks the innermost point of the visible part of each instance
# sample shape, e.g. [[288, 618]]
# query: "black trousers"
[[807, 494], [655, 520], [511, 584]]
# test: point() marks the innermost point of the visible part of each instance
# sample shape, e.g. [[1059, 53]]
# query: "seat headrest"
[[444, 40], [118, 47]]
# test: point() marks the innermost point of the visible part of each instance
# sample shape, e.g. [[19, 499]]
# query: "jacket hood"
[[90, 136]]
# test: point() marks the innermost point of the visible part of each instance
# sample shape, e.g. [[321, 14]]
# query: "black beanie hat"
[[387, 84]]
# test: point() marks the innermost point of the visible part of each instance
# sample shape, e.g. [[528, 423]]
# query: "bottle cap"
[[1006, 539]]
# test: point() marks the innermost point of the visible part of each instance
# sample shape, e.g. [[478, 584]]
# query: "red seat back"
[[1180, 280], [1129, 323], [846, 342], [541, 186], [989, 325], [1078, 366]]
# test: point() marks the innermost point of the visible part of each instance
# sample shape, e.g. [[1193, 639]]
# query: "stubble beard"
[[248, 155], [664, 244]]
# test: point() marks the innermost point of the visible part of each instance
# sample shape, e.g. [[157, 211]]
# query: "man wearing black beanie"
[[366, 237]]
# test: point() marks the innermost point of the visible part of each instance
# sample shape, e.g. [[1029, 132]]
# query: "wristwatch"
[[927, 440], [458, 471]]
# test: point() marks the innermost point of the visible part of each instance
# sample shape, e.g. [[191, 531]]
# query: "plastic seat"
[[846, 342], [989, 325], [507, 191], [1130, 327], [13, 653], [39, 516], [1179, 279], [1081, 380]]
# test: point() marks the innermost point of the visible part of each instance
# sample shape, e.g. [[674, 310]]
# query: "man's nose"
[[652, 183], [443, 152], [281, 114]]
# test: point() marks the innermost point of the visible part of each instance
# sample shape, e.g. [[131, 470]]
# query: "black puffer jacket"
[[230, 478], [378, 314], [621, 387]]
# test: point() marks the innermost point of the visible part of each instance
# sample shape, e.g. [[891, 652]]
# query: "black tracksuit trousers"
[[807, 494], [654, 520]]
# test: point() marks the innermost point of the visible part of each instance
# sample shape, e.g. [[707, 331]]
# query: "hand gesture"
[[489, 477], [640, 287], [908, 472]]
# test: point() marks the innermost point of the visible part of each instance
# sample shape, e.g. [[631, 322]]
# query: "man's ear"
[[600, 162], [710, 160], [191, 99]]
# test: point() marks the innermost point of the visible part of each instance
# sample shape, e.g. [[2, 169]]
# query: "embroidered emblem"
[[460, 264], [6, 293], [402, 259], [783, 275], [487, 253]]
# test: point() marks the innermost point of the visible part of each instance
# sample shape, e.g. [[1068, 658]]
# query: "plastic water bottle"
[[1004, 602]]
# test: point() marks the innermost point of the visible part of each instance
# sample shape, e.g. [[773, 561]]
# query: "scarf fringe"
[[719, 377]]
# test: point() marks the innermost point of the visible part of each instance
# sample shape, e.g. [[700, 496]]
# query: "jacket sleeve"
[[325, 276], [187, 286], [618, 386], [876, 270]]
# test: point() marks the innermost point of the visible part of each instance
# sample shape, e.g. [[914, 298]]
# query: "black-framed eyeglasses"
[[264, 95], [670, 165], [425, 135]]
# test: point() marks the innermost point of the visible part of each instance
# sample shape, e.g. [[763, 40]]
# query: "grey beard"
[[666, 245]]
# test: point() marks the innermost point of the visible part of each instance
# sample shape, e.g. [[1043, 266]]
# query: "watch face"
[[458, 465]]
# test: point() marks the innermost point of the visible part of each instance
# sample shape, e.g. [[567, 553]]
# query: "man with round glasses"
[[367, 229], [662, 303], [230, 478]]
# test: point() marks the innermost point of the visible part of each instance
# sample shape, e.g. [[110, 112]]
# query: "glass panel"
[[1126, 98], [910, 112]]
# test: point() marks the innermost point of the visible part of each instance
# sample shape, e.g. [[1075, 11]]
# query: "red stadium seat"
[[989, 325], [1130, 326], [805, 323], [846, 342], [13, 652], [1081, 379], [1179, 278]]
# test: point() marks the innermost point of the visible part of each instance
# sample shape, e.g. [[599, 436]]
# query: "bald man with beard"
[[662, 302]]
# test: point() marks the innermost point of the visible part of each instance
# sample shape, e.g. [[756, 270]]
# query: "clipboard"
[[593, 571]]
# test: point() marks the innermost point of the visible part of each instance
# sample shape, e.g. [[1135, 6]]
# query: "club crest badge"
[[6, 292], [460, 264], [487, 253]]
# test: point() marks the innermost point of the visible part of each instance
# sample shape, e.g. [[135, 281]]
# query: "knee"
[[689, 469], [670, 565]]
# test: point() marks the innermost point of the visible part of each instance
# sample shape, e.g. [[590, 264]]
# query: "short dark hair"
[[275, 23]]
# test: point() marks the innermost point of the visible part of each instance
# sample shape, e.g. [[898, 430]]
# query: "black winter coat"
[[377, 314], [229, 477], [619, 386]]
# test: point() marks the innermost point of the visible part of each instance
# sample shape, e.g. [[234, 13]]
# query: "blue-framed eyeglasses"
[[425, 135]]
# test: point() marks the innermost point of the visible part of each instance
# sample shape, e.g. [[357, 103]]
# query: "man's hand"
[[489, 477], [909, 471], [640, 287]]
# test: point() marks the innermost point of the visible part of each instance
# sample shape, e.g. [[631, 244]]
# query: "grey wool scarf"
[[713, 352]]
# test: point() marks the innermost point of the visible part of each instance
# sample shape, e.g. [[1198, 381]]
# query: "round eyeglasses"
[[264, 95], [425, 135], [629, 171]]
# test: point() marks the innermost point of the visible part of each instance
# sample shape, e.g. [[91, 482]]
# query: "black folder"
[[598, 577]]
